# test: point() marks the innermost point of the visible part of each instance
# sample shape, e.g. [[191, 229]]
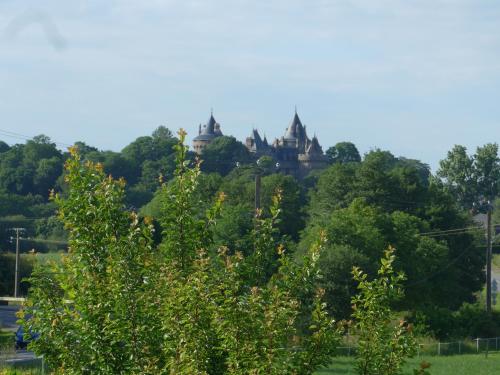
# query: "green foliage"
[[343, 152], [400, 202], [31, 168], [183, 231], [381, 179], [4, 147], [93, 303], [222, 155], [234, 229], [357, 236], [471, 177], [382, 345], [7, 267], [118, 305], [470, 320], [239, 188]]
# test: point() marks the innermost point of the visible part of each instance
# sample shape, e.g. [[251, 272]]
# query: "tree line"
[[363, 204], [120, 303]]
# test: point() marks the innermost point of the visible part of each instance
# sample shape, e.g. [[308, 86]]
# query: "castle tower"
[[312, 158], [206, 134]]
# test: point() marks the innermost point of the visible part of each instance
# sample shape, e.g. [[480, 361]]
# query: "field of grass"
[[471, 364], [22, 371], [5, 338], [44, 258], [496, 262]]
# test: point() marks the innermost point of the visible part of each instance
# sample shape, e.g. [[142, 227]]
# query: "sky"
[[411, 77]]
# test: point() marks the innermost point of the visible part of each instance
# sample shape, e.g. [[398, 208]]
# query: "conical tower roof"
[[314, 148], [209, 131], [295, 129], [210, 127]]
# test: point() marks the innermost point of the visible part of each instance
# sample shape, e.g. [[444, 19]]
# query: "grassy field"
[[496, 262], [5, 338], [473, 364], [44, 258]]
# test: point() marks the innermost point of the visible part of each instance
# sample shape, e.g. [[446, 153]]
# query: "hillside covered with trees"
[[363, 204]]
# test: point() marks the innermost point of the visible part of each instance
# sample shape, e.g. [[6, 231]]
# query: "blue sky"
[[412, 77]]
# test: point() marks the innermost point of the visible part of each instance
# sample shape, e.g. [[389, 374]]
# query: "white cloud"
[[199, 52]]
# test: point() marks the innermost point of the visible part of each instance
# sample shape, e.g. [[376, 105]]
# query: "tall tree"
[[119, 306], [4, 146], [222, 155], [32, 168], [359, 234], [471, 178], [343, 152]]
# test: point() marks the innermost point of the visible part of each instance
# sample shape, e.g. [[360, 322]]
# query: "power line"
[[450, 230], [10, 134], [441, 270], [453, 231]]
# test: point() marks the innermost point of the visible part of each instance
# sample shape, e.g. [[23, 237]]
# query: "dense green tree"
[[222, 155], [12, 204], [7, 267], [32, 168], [205, 194], [4, 147], [154, 147], [84, 148], [40, 147], [487, 170], [440, 273], [113, 306], [115, 164], [46, 174], [471, 178], [234, 229], [422, 169], [239, 188], [381, 179], [383, 345], [292, 216], [343, 152], [334, 189]]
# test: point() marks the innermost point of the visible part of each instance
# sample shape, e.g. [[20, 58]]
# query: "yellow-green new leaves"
[[118, 305], [93, 311], [382, 346]]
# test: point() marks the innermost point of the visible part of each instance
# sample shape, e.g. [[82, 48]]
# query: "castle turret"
[[295, 136], [313, 158], [206, 134]]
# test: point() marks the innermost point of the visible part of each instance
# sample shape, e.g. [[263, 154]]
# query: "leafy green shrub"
[[469, 321], [118, 304], [382, 345], [7, 269]]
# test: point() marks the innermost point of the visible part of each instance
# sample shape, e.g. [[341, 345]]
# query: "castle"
[[294, 152]]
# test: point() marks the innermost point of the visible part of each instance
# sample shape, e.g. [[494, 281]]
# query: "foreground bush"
[[119, 305], [7, 267], [383, 346]]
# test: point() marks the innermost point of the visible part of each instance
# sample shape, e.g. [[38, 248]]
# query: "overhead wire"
[[24, 137], [455, 231], [441, 270]]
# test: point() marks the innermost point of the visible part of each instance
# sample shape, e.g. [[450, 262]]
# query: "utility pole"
[[16, 272], [488, 260], [257, 192]]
